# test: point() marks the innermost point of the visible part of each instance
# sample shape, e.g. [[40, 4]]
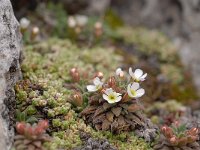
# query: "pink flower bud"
[[99, 75], [38, 130], [43, 124], [20, 127], [112, 82], [173, 140]]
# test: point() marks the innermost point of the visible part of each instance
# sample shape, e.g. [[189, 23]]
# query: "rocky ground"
[[61, 56]]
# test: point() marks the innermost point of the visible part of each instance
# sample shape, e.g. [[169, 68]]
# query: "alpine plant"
[[31, 137], [113, 104], [177, 137]]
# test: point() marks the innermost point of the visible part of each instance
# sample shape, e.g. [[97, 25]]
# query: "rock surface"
[[10, 45]]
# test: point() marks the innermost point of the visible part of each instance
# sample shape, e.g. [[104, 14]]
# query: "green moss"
[[21, 96], [43, 92], [150, 42]]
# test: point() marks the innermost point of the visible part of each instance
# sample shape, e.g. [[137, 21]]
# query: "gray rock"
[[10, 46]]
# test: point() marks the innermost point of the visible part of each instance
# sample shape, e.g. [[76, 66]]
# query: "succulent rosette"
[[113, 105]]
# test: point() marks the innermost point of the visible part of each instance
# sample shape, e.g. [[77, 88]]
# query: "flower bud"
[[71, 22], [24, 24], [73, 70], [112, 82], [75, 74], [167, 131], [77, 99], [38, 130], [34, 33], [20, 127], [176, 123], [193, 131], [173, 140], [98, 29], [99, 75], [103, 91], [43, 124]]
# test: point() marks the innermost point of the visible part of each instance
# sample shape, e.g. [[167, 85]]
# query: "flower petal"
[[140, 92], [138, 73], [91, 88], [118, 71], [131, 72], [111, 101], [117, 94], [129, 91], [118, 99], [97, 81], [105, 97], [108, 91], [135, 86], [142, 78]]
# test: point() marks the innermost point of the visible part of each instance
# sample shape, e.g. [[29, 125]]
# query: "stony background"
[[10, 39]]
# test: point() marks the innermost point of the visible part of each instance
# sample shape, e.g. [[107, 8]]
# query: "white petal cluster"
[[111, 96], [137, 75], [71, 22], [134, 90], [77, 20], [119, 72], [97, 85], [24, 23]]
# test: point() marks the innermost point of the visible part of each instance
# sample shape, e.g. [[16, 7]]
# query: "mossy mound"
[[42, 93]]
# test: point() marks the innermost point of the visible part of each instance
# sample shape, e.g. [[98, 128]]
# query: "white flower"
[[97, 85], [24, 23], [81, 20], [71, 22], [137, 75], [35, 30], [119, 72], [134, 90], [111, 96]]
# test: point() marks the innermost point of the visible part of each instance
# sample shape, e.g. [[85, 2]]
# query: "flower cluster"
[[30, 131], [177, 135], [118, 83]]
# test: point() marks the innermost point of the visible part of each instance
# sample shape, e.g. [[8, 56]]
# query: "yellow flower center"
[[98, 87], [111, 97], [133, 92], [136, 80]]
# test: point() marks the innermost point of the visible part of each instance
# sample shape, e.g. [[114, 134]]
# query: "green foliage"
[[60, 29], [112, 19], [46, 73], [23, 117]]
